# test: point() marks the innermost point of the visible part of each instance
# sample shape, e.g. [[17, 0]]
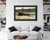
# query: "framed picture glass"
[[25, 13]]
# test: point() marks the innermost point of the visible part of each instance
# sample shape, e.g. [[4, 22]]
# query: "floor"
[[46, 35]]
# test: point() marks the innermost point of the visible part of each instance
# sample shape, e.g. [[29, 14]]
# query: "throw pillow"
[[12, 29], [18, 28], [36, 29], [25, 28]]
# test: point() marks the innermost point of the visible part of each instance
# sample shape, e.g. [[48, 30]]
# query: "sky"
[[24, 7]]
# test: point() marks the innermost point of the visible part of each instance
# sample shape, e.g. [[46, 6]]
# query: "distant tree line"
[[26, 10]]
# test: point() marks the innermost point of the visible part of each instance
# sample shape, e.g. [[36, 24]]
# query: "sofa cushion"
[[31, 27], [18, 28], [15, 32], [33, 33], [12, 29], [25, 28], [36, 29], [24, 33], [32, 38], [10, 36]]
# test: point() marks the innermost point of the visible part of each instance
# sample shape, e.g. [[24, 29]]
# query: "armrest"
[[39, 36]]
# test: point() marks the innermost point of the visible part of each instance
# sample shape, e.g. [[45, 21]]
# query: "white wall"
[[10, 13]]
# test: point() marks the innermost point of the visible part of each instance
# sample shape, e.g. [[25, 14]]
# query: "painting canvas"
[[25, 13]]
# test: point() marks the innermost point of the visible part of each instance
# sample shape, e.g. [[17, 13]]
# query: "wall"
[[10, 13]]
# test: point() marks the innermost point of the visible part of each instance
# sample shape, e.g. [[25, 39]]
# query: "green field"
[[31, 13], [24, 17]]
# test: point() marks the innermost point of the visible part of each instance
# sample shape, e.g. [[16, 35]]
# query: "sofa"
[[25, 30]]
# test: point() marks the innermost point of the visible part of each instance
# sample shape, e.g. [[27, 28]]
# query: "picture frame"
[[27, 9]]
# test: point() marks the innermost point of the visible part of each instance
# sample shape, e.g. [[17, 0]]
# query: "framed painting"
[[25, 13]]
